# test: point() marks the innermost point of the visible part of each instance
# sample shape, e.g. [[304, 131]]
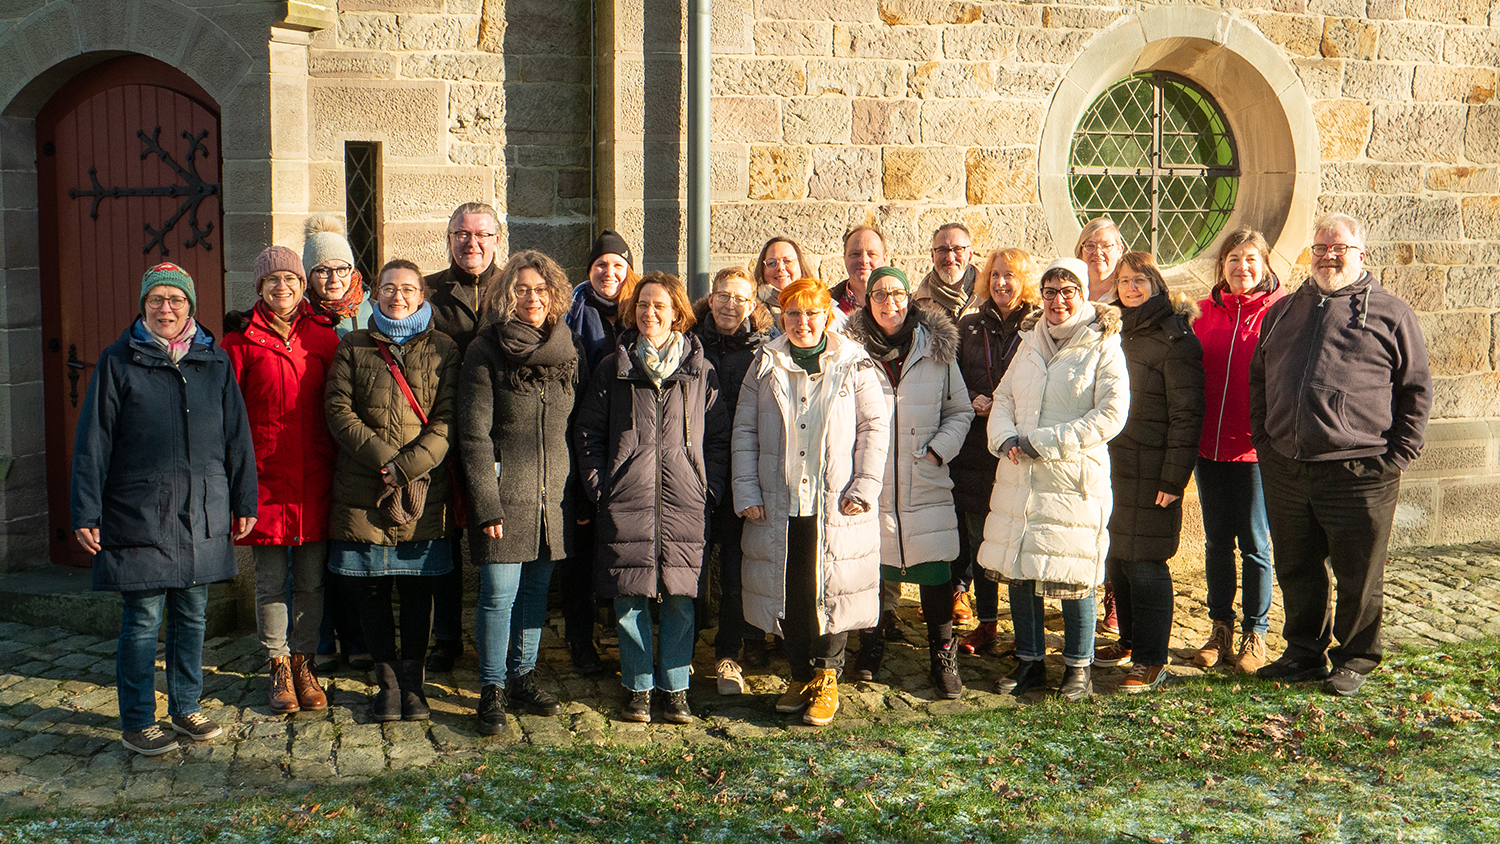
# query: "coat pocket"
[[216, 516], [133, 512]]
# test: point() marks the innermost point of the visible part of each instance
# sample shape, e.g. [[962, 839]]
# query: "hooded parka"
[[375, 426], [162, 464], [1229, 329], [1049, 515], [987, 342], [282, 382], [653, 460], [1158, 447], [856, 437]]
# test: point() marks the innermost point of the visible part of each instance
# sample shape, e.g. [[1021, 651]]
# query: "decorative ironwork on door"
[[194, 190]]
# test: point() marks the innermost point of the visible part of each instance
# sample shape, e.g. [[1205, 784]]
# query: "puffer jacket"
[[986, 343], [282, 382], [1159, 445], [1049, 515], [731, 353], [514, 437], [162, 463], [375, 426], [856, 438], [653, 461], [1229, 329], [600, 336], [455, 294], [930, 409]]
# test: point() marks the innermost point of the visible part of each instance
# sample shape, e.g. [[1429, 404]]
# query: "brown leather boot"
[[1219, 647], [283, 691], [309, 694]]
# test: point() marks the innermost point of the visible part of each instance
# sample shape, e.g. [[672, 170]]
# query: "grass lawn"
[[1414, 757]]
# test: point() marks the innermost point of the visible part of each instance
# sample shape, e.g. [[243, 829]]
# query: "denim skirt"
[[419, 557]]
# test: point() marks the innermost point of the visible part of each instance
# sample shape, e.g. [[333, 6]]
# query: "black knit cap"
[[609, 242]]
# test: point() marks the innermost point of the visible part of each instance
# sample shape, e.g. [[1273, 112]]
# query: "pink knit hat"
[[275, 259]]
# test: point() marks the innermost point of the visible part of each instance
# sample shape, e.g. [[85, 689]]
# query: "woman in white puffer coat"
[[1065, 396]]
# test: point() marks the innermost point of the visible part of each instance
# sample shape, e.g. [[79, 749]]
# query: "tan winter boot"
[[824, 692], [1252, 653], [1219, 646]]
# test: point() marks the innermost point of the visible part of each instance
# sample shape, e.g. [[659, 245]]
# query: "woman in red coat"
[[281, 360]]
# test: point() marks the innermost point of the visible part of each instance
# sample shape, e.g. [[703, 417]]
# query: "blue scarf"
[[401, 330]]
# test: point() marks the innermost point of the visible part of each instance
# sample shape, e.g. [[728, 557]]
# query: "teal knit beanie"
[[893, 272], [171, 275]]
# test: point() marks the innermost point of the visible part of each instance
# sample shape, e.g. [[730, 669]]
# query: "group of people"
[[996, 422]]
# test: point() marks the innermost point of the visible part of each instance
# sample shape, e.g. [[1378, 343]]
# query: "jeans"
[[1331, 517], [986, 591], [1234, 510], [1143, 603], [806, 648], [1028, 613], [272, 618], [669, 671], [726, 531], [135, 661], [508, 621]]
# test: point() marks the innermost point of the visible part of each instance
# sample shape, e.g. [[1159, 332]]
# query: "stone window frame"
[[1264, 102]]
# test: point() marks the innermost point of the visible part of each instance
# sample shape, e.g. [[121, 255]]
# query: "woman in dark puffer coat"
[[1150, 464], [653, 455]]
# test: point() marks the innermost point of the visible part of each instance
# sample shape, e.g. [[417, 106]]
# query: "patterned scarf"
[[346, 307], [660, 363], [176, 347]]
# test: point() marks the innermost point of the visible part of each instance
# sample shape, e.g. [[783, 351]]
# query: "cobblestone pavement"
[[59, 725]]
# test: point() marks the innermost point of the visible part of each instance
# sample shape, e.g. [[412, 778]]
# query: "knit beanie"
[[171, 275], [1079, 269], [325, 241], [274, 259], [609, 242], [893, 272]]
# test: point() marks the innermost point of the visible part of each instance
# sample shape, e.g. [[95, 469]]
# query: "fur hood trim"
[[761, 320], [1186, 308], [1109, 319], [942, 333]]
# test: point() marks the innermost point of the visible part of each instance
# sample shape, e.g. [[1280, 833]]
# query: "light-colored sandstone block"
[[1343, 128], [1411, 42], [1469, 287], [352, 64], [793, 38], [970, 80], [1359, 177], [896, 12], [1482, 135], [1080, 16], [1300, 35], [1463, 179], [1476, 47], [980, 43], [983, 123], [1027, 81], [816, 120], [846, 174], [1472, 85], [439, 32], [818, 10], [1001, 176], [746, 119], [409, 118], [922, 173], [371, 32], [428, 193], [1482, 217], [1349, 38], [907, 43], [1364, 80], [1419, 286], [1322, 78], [818, 226], [886, 121], [1421, 132], [778, 172], [1013, 14], [1051, 46], [1458, 343], [458, 67], [1472, 12], [728, 171], [731, 27], [751, 77], [857, 77]]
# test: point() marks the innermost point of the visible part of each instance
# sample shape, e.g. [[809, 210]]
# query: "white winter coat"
[[855, 440], [1049, 516]]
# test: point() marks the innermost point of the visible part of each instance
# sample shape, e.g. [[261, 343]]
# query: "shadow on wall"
[[664, 126]]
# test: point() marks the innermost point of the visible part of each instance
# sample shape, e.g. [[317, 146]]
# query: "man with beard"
[[1339, 398], [949, 287]]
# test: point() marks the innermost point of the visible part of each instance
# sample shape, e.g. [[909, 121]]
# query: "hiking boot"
[[538, 701], [731, 680], [963, 608], [795, 699], [871, 655], [1143, 678], [637, 708], [1219, 646], [196, 726], [674, 708], [1077, 684], [1112, 656], [310, 695], [444, 654], [1289, 670], [1343, 682], [152, 741], [981, 638], [283, 690], [385, 704], [1252, 653], [585, 659], [491, 711], [1109, 622], [1028, 674], [823, 691], [890, 626], [756, 654], [944, 671], [413, 701]]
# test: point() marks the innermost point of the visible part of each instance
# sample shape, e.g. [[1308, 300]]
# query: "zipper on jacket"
[[541, 416], [896, 488], [1306, 365], [661, 400], [1234, 337]]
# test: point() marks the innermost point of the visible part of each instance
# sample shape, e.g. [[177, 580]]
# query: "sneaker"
[[756, 654], [152, 741], [795, 699], [1219, 646], [1109, 621], [1289, 670], [491, 711], [963, 608], [1343, 682], [197, 726], [1143, 678], [637, 708], [674, 708], [824, 693], [870, 657], [944, 671], [981, 638], [1112, 656], [1252, 653], [731, 680], [538, 701]]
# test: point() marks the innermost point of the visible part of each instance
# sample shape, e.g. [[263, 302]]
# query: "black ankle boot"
[[491, 710], [385, 704], [871, 655], [1028, 675], [944, 673], [413, 702], [525, 692], [1078, 683]]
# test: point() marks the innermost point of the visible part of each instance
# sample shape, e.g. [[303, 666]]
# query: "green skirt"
[[923, 574]]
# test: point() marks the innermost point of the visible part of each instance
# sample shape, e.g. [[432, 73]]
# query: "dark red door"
[[127, 177]]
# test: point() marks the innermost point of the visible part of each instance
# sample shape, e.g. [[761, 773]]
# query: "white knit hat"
[[325, 241]]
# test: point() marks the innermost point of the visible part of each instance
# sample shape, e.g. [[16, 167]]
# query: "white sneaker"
[[731, 680]]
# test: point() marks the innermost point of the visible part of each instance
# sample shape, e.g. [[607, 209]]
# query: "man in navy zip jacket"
[[1339, 398]]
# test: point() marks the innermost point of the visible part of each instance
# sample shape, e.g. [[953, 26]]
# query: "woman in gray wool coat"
[[516, 396]]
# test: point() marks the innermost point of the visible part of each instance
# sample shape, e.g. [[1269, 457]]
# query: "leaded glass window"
[[1154, 154], [362, 206]]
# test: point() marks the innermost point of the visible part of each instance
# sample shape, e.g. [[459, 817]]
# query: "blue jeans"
[[508, 621], [135, 662], [1234, 509], [669, 672], [1028, 613]]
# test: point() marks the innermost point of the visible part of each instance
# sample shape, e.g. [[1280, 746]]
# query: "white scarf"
[[1053, 338]]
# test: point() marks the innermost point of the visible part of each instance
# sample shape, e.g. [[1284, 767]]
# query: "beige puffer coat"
[[857, 435], [1049, 516]]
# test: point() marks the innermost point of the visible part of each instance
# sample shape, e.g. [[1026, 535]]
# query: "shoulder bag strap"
[[390, 362]]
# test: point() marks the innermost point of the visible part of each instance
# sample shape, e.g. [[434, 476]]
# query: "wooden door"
[[127, 177]]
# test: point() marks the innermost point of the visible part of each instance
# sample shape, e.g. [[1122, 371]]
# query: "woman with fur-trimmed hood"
[[917, 350]]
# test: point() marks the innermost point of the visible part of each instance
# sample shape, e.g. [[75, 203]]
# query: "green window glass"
[[1154, 154]]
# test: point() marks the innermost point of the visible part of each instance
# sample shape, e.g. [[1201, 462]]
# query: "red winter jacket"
[[282, 382], [1229, 330]]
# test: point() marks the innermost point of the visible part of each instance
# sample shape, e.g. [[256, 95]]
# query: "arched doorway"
[[127, 177]]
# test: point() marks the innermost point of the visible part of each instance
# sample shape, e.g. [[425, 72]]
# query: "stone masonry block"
[[778, 172], [1482, 217], [1343, 128], [1463, 179], [1482, 135], [1377, 81], [1469, 511], [981, 43], [458, 67], [347, 64], [1472, 47], [981, 123], [1419, 132], [818, 10], [440, 32], [1051, 46], [919, 12], [420, 242], [1466, 397], [408, 117], [1323, 79], [374, 32], [730, 26], [1419, 286], [969, 80], [818, 226], [1329, 8], [1349, 38], [728, 172], [1416, 510], [1001, 176], [1358, 177], [1410, 219], [1080, 16], [1472, 12], [1469, 287], [886, 121], [1374, 9], [1027, 81], [846, 174], [547, 113], [1455, 254], [50, 36], [923, 173], [1472, 85], [793, 38], [102, 25], [1013, 14], [748, 77], [856, 78], [325, 187], [391, 5], [747, 119], [867, 41], [1300, 35], [816, 120], [1458, 343], [1411, 42], [429, 193]]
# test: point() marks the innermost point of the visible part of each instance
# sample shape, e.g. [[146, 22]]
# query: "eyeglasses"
[[1338, 249], [1068, 293], [325, 272], [465, 237], [282, 279], [780, 262], [724, 298], [942, 251], [798, 316], [391, 290], [1094, 247], [895, 295], [176, 303], [537, 290]]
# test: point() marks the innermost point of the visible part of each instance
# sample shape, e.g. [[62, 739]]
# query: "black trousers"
[[1331, 521], [448, 598], [375, 614], [575, 586], [1143, 604], [806, 649]]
